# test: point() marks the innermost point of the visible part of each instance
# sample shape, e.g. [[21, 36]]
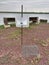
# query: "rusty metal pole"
[[21, 25]]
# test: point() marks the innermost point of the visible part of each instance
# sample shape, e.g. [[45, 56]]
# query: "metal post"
[[21, 11], [21, 34], [21, 25]]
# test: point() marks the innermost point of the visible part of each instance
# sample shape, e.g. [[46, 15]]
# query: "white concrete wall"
[[18, 17], [41, 16], [5, 15], [10, 15]]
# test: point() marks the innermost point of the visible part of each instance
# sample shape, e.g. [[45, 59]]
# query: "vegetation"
[[31, 26], [42, 42], [14, 34], [1, 26], [12, 25]]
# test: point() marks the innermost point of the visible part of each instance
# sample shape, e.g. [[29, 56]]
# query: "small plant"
[[12, 25], [33, 26], [1, 26]]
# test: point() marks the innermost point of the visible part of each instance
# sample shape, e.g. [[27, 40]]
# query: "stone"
[[6, 26], [30, 50]]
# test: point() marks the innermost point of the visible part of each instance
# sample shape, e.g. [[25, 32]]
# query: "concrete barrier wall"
[[25, 17]]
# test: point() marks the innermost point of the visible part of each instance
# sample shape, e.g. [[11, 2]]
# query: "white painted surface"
[[24, 23], [6, 15], [25, 18]]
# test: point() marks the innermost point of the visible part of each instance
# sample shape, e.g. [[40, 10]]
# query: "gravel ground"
[[10, 45]]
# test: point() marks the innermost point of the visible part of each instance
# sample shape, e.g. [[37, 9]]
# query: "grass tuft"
[[1, 26]]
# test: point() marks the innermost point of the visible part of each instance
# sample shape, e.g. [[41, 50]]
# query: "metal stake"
[[21, 25]]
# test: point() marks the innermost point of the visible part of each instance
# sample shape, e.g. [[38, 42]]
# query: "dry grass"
[[14, 34], [42, 42], [33, 26]]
